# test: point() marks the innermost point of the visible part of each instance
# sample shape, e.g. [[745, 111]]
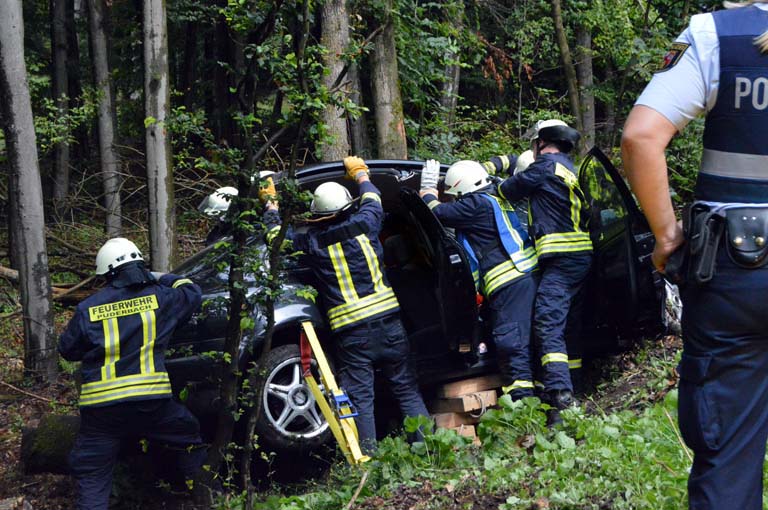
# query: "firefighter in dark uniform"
[[345, 254], [502, 258], [558, 225], [120, 335], [717, 67]]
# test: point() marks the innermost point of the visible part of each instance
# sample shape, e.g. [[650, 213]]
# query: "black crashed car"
[[432, 279]]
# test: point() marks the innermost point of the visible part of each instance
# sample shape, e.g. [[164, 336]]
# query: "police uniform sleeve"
[[73, 341], [187, 293], [683, 86], [500, 165], [459, 215], [519, 186], [371, 210]]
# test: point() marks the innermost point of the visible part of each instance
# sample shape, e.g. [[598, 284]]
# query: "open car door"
[[625, 295], [455, 286]]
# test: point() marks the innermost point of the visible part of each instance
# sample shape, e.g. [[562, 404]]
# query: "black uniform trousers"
[[102, 429], [379, 343], [511, 313], [557, 315], [723, 393]]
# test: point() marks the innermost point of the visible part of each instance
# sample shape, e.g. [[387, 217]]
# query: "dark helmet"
[[556, 131]]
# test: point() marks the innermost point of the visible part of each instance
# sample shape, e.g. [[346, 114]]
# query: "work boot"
[[558, 400]]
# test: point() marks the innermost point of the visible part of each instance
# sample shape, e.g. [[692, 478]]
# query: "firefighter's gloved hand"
[[430, 174], [355, 166], [267, 191]]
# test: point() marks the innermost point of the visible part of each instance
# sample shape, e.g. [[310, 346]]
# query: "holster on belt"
[[704, 231], [747, 236]]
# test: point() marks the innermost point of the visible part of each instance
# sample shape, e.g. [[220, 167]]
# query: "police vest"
[[735, 161], [517, 244]]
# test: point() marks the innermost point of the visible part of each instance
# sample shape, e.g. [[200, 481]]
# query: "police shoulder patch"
[[673, 56]]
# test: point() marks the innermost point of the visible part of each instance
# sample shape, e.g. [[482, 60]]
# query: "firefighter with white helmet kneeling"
[[559, 217], [502, 257], [343, 249], [120, 335]]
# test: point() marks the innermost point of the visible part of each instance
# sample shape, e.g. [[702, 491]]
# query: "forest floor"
[[617, 383]]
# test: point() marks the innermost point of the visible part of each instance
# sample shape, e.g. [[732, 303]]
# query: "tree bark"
[[586, 87], [97, 11], [450, 96], [24, 184], [358, 127], [335, 39], [568, 67], [60, 78], [162, 222], [387, 101]]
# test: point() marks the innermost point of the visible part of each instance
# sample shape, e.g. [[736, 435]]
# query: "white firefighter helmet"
[[465, 177], [523, 160], [217, 203], [554, 130], [116, 252], [330, 198]]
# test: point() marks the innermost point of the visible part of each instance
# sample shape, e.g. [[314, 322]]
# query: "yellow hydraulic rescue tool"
[[334, 404]]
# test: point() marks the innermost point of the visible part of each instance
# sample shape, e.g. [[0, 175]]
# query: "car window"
[[607, 208]]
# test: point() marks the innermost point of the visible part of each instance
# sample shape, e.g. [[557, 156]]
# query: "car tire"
[[290, 418]]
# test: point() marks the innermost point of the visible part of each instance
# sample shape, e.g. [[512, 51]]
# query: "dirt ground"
[[613, 383]]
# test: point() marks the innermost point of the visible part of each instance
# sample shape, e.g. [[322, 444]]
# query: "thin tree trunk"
[[335, 39], [387, 101], [568, 67], [188, 69], [25, 186], [162, 223], [358, 127], [586, 87], [60, 80], [81, 150], [450, 96], [106, 115]]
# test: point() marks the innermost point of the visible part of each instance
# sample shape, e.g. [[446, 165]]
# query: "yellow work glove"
[[355, 167], [267, 192]]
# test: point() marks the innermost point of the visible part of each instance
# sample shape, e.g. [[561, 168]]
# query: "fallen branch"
[[679, 437], [67, 244], [14, 388], [357, 492]]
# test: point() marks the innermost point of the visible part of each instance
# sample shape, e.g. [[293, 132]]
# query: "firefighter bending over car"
[[344, 251], [120, 334], [558, 224], [502, 259]]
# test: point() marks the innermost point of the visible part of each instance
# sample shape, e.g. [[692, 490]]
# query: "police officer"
[[558, 224], [345, 253], [717, 67], [502, 258], [120, 335]]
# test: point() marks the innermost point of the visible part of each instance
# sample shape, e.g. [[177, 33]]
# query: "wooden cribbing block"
[[459, 388], [466, 430], [453, 420], [473, 402]]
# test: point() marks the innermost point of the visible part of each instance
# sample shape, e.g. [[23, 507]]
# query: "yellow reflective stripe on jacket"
[[343, 275], [111, 348], [370, 196], [369, 300], [272, 233], [574, 363], [180, 282], [489, 167], [517, 385], [433, 203], [147, 352], [125, 387], [373, 263], [563, 242], [499, 275], [366, 312], [554, 357]]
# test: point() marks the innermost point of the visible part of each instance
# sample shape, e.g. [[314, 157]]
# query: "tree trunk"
[[387, 102], [81, 150], [24, 184], [568, 67], [335, 39], [450, 96], [162, 223], [586, 87], [97, 11], [60, 78], [358, 127], [188, 69]]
